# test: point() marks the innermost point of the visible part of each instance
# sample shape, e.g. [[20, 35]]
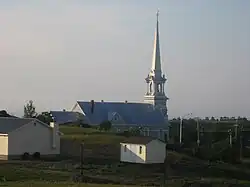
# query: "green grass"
[[100, 139], [91, 135], [71, 130], [46, 184], [21, 171], [105, 144]]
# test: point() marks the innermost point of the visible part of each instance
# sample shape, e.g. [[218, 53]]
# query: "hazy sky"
[[56, 52]]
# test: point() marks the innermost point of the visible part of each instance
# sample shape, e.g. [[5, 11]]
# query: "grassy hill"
[[106, 145], [101, 165]]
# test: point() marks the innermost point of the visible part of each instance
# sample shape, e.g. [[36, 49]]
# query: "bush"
[[85, 125], [25, 156], [36, 155], [124, 133], [105, 125]]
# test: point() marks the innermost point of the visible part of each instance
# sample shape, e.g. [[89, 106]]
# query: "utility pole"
[[236, 129], [181, 124], [230, 137], [198, 132], [232, 156], [241, 141], [165, 162]]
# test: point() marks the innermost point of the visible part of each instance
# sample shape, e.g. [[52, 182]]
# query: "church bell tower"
[[155, 80]]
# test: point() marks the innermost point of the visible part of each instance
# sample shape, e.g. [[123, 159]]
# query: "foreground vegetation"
[[102, 167], [48, 184]]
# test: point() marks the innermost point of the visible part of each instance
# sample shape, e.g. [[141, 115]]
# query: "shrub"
[[25, 156], [105, 125], [36, 155]]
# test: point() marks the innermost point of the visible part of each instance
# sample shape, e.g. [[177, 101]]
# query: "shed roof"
[[8, 124], [144, 140], [131, 113]]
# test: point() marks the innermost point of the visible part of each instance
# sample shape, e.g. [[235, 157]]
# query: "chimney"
[[126, 101], [54, 127], [92, 106], [102, 101], [64, 110]]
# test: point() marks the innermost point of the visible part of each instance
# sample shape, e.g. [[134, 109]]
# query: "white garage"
[[144, 150], [27, 137]]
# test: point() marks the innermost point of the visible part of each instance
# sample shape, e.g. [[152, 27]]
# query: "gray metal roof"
[[131, 113], [144, 140], [8, 124]]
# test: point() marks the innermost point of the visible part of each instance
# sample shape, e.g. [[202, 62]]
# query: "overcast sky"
[[56, 52]]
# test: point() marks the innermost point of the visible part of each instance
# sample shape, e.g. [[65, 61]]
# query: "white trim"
[[86, 119], [123, 143], [3, 134], [77, 105]]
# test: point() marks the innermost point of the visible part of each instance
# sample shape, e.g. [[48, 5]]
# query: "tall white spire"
[[156, 61], [156, 80]]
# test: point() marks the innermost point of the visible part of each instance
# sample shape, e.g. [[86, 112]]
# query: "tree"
[[105, 125], [45, 117], [30, 110], [135, 131]]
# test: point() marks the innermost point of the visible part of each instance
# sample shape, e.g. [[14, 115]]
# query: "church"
[[151, 116]]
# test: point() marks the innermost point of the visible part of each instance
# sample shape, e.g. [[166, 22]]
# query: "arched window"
[[140, 151], [158, 87], [125, 148], [150, 87]]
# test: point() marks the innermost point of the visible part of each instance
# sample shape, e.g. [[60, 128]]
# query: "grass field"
[[181, 168], [91, 136], [44, 184]]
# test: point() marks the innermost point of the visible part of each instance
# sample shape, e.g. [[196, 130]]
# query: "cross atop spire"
[[157, 14]]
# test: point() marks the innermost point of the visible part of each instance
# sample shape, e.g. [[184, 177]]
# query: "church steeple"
[[156, 61], [156, 80]]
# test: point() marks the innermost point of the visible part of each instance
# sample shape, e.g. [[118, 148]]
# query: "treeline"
[[215, 119]]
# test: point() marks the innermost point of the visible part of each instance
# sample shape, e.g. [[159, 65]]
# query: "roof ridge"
[[13, 118], [133, 102]]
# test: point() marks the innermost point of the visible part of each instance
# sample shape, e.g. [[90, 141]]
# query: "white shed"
[[144, 150], [27, 137]]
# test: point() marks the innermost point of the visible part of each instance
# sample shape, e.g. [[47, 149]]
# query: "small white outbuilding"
[[24, 136], [144, 150]]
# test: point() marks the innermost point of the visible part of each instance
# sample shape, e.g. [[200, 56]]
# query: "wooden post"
[[81, 150]]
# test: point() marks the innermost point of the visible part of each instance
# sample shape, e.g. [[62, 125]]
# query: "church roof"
[[129, 113], [63, 117]]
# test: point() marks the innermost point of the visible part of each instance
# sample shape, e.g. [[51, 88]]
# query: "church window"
[[116, 118], [158, 87], [150, 87]]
